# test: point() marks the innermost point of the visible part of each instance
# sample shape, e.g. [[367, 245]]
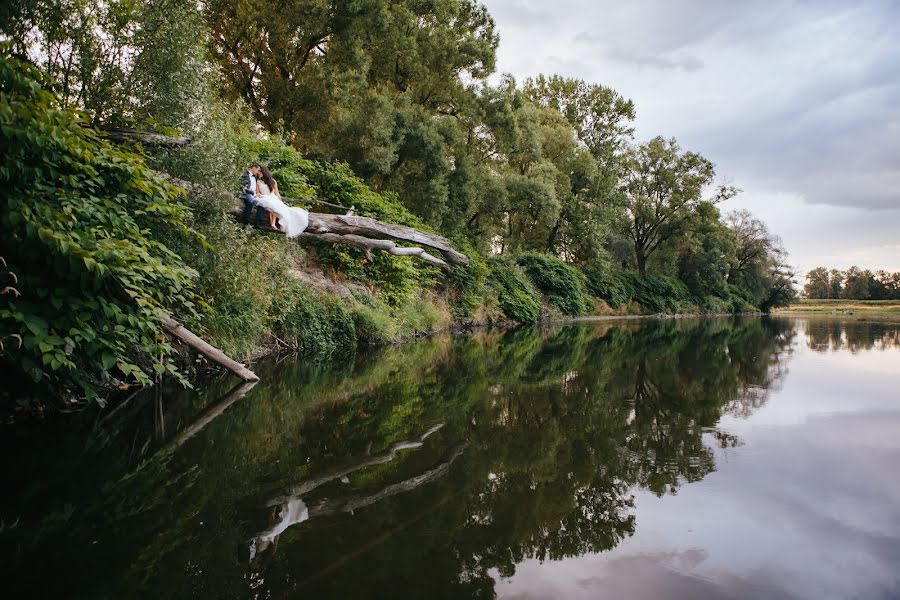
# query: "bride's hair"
[[267, 177]]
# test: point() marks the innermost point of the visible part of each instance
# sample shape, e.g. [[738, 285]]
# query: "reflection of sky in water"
[[808, 507]]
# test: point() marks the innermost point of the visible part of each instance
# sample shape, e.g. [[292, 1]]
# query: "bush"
[[312, 323], [562, 284], [516, 295], [465, 286], [613, 287], [660, 294], [740, 300], [82, 239]]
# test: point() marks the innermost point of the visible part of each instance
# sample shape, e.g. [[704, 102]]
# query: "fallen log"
[[125, 134], [362, 232], [178, 331], [369, 244], [321, 223]]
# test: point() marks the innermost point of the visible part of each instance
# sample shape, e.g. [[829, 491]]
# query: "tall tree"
[[601, 117], [836, 283], [818, 284], [377, 83], [857, 284], [661, 186]]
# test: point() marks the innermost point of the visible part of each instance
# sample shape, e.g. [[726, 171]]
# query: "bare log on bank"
[[178, 331], [361, 232], [124, 134]]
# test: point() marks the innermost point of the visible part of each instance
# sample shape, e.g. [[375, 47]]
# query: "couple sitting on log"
[[260, 190]]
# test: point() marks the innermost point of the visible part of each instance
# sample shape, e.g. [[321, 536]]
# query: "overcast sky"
[[796, 102]]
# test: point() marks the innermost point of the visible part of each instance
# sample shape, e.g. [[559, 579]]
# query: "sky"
[[797, 102]]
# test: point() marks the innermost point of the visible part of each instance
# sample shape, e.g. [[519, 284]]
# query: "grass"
[[827, 307]]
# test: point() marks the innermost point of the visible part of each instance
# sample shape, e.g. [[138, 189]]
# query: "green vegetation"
[[864, 308], [384, 106], [852, 284]]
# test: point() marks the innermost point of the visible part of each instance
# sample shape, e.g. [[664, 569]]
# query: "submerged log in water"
[[192, 340]]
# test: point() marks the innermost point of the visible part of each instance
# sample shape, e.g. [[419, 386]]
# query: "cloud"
[[790, 98]]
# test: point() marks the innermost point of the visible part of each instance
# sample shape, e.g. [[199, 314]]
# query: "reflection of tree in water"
[[558, 427], [832, 335]]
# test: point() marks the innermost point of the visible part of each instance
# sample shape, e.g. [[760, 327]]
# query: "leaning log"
[[124, 134], [178, 331]]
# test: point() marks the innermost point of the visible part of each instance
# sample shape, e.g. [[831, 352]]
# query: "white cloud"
[[797, 102]]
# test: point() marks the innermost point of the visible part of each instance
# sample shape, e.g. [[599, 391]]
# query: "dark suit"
[[248, 187]]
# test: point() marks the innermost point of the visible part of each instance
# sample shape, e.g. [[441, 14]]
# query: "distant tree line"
[[823, 283]]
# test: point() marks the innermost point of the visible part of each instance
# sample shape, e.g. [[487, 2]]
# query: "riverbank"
[[882, 309]]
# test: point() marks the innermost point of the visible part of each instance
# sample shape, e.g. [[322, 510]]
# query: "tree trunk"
[[177, 330], [641, 257]]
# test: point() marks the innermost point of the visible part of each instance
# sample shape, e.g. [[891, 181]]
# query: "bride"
[[291, 220]]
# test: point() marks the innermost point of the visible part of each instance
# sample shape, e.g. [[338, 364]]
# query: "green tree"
[[836, 283], [818, 284], [857, 284], [661, 186]]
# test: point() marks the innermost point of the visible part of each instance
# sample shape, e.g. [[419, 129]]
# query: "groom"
[[248, 190]]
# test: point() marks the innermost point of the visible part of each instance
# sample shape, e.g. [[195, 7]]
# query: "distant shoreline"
[[865, 308]]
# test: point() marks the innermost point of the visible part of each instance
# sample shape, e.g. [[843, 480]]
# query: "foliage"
[[562, 284], [121, 62], [852, 284], [662, 185], [465, 286], [612, 286], [314, 324], [82, 237], [660, 294], [518, 298]]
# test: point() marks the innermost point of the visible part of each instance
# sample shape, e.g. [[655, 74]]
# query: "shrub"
[[611, 286], [516, 295], [82, 238], [312, 323], [660, 294], [465, 286], [740, 300], [562, 284]]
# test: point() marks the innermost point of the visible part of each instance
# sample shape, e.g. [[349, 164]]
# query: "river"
[[714, 458]]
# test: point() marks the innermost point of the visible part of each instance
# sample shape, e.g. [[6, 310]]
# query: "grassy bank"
[[885, 308]]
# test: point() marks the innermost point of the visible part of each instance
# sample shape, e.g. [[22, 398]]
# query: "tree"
[[818, 285], [706, 253], [601, 117], [121, 62], [857, 284], [836, 282], [661, 186]]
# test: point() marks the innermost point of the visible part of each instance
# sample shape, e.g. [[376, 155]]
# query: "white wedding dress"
[[292, 220]]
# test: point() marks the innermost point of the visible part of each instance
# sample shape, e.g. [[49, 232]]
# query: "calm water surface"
[[745, 458]]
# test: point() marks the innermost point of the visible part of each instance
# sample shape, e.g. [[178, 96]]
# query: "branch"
[[124, 134]]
